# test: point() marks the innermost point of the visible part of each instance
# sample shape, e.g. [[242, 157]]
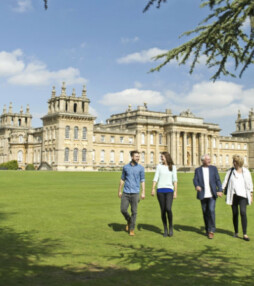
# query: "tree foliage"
[[220, 37]]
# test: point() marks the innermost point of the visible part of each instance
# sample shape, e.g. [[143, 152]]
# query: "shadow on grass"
[[200, 230], [117, 226], [156, 266], [149, 227]]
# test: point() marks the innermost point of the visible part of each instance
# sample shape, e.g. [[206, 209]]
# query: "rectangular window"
[[121, 139], [130, 140], [102, 138], [112, 139]]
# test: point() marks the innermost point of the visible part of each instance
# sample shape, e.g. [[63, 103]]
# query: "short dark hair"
[[133, 152]]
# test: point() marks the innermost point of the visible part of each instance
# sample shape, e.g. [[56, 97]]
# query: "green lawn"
[[66, 229]]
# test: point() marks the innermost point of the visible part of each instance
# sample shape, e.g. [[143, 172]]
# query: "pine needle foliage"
[[220, 37]]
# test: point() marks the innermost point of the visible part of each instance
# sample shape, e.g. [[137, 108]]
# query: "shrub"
[[30, 167], [10, 165]]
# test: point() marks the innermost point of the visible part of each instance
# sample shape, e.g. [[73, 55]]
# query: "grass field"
[[66, 229]]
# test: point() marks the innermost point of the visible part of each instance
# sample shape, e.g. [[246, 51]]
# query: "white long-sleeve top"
[[233, 185], [164, 177]]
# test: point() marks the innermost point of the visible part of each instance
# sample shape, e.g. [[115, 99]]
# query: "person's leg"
[[134, 210], [243, 204], [211, 219], [125, 201], [204, 206], [162, 201], [168, 205], [235, 213]]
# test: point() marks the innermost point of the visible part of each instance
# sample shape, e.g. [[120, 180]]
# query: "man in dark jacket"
[[208, 186]]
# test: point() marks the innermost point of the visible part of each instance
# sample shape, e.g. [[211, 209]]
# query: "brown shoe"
[[132, 232], [127, 227], [210, 235]]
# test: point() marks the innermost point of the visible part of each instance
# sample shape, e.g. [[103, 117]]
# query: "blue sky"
[[108, 46]]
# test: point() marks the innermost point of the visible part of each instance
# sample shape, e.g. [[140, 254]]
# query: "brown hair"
[[169, 160], [134, 152]]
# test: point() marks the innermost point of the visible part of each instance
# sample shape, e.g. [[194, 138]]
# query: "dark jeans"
[[208, 208], [126, 200], [242, 202], [165, 201]]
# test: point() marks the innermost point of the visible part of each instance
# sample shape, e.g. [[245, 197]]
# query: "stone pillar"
[[177, 147], [194, 163], [211, 147], [168, 142], [172, 146], [184, 148], [148, 147], [205, 144], [201, 145]]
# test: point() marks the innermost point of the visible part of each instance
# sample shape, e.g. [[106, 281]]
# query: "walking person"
[[133, 175], [166, 179], [208, 186], [239, 191]]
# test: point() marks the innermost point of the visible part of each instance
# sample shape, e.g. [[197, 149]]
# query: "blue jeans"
[[208, 208]]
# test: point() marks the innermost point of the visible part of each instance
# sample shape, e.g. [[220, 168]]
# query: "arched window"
[[66, 154], [143, 138], [84, 155], [84, 132], [112, 156], [214, 143], [143, 157], [19, 122], [151, 138], [75, 155], [93, 155], [76, 132], [67, 132], [121, 157], [151, 157], [20, 156], [75, 107], [102, 155]]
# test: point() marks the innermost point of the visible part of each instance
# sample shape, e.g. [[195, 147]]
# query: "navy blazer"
[[214, 180]]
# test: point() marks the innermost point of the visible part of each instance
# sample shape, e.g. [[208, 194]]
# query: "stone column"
[[148, 147], [177, 147], [211, 147], [205, 144], [194, 163], [168, 142], [172, 146], [184, 148], [201, 145]]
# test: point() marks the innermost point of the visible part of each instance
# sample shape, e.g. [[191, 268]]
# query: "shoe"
[[132, 232], [210, 235], [246, 238], [165, 234], [127, 227], [235, 235], [170, 232]]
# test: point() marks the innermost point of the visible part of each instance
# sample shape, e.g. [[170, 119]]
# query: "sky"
[[108, 46]]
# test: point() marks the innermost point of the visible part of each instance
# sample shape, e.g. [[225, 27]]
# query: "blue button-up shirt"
[[132, 176]]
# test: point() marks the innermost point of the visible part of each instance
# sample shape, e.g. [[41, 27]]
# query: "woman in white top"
[[166, 177], [239, 193]]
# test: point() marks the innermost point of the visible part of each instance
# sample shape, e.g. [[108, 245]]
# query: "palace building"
[[71, 141]]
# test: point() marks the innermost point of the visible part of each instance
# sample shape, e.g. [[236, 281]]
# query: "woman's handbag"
[[226, 188]]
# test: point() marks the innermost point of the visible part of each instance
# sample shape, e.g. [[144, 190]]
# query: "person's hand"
[[198, 188], [220, 194], [143, 195], [153, 192], [175, 195], [119, 194]]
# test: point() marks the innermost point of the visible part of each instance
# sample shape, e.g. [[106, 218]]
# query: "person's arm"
[[142, 180], [174, 178], [120, 188], [225, 180], [175, 190], [196, 181], [155, 179]]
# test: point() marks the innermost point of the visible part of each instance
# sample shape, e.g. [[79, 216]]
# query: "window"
[[76, 132], [102, 155], [84, 155], [245, 147], [84, 132], [214, 159], [75, 155], [66, 154], [233, 146], [221, 159], [143, 157], [102, 138], [220, 145], [67, 132], [214, 143], [20, 139], [121, 157], [130, 140], [238, 146], [160, 139], [151, 139], [121, 139], [20, 156], [93, 155], [226, 146], [143, 138], [75, 107], [112, 156], [151, 157], [112, 139]]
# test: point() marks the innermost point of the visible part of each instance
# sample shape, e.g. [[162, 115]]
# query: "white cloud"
[[144, 56], [138, 84], [129, 40], [132, 96], [23, 6], [18, 72]]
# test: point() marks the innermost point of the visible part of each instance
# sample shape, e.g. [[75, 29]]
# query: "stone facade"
[[70, 140]]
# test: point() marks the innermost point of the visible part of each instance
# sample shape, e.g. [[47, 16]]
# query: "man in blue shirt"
[[132, 176]]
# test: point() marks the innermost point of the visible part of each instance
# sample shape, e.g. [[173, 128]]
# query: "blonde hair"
[[239, 160]]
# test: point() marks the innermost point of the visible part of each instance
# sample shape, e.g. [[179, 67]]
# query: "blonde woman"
[[239, 193], [166, 177]]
